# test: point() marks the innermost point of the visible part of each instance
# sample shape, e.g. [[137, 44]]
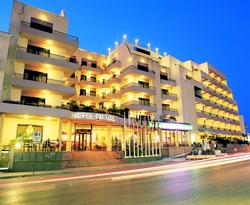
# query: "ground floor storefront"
[[91, 132]]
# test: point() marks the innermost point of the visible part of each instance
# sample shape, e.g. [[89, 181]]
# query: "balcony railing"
[[49, 55], [218, 104], [91, 80], [89, 94], [136, 68], [145, 103], [216, 115], [170, 109], [53, 32], [217, 92], [113, 92], [43, 80], [137, 85]]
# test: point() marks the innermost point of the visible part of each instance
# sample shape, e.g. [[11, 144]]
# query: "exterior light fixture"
[[136, 42], [149, 46], [124, 38]]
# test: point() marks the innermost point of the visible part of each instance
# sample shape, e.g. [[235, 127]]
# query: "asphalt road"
[[203, 182]]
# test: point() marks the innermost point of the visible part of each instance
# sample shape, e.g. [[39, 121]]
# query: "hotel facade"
[[133, 96]]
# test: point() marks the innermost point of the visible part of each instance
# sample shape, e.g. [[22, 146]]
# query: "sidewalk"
[[4, 174]]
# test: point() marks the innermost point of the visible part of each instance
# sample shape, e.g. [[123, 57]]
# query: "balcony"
[[41, 59], [167, 81], [61, 40], [169, 96], [113, 66], [66, 90], [20, 110], [112, 81], [89, 82], [89, 67], [133, 70], [90, 97], [115, 94], [137, 88], [138, 105], [217, 94], [170, 111]]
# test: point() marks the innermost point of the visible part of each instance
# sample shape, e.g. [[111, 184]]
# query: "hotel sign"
[[93, 116]]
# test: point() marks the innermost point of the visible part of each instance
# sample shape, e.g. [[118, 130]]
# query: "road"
[[204, 182]]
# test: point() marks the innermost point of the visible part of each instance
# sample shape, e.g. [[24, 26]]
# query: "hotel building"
[[43, 71]]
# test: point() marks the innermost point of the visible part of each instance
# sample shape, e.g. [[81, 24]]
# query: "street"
[[219, 181]]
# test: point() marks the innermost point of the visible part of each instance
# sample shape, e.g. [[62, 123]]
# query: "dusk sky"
[[216, 31]]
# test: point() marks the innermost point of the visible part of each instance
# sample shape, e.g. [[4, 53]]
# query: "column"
[[176, 138], [161, 141], [2, 118], [109, 148], [69, 132], [59, 131]]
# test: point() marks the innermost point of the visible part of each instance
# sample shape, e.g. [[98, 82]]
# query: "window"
[[166, 107], [164, 76], [73, 75], [82, 92], [93, 79], [142, 66], [144, 101], [164, 92], [32, 100], [41, 25], [93, 65], [35, 76], [143, 84], [83, 77], [85, 63], [92, 93], [197, 92], [141, 50], [38, 50]]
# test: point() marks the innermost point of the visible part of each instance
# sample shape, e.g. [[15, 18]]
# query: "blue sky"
[[216, 31]]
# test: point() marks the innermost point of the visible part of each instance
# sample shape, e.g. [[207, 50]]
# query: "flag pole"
[[137, 136], [129, 146], [124, 138]]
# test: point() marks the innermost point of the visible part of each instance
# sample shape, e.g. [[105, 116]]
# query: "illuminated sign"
[[171, 126], [93, 116]]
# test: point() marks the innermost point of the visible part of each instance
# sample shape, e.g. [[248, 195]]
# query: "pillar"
[[176, 138], [59, 131], [109, 147], [2, 118], [69, 132]]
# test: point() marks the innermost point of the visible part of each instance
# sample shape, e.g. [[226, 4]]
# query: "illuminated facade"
[[46, 71]]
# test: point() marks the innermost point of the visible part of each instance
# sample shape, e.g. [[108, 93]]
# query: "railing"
[[90, 94], [136, 68], [91, 80], [216, 115], [53, 32], [170, 94], [217, 92], [113, 77], [139, 103], [43, 80], [113, 92], [219, 104], [170, 109], [48, 55], [137, 85]]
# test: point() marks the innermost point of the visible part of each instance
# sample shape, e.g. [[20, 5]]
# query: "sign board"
[[37, 137]]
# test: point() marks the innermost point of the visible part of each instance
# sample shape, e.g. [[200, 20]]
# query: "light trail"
[[153, 171]]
